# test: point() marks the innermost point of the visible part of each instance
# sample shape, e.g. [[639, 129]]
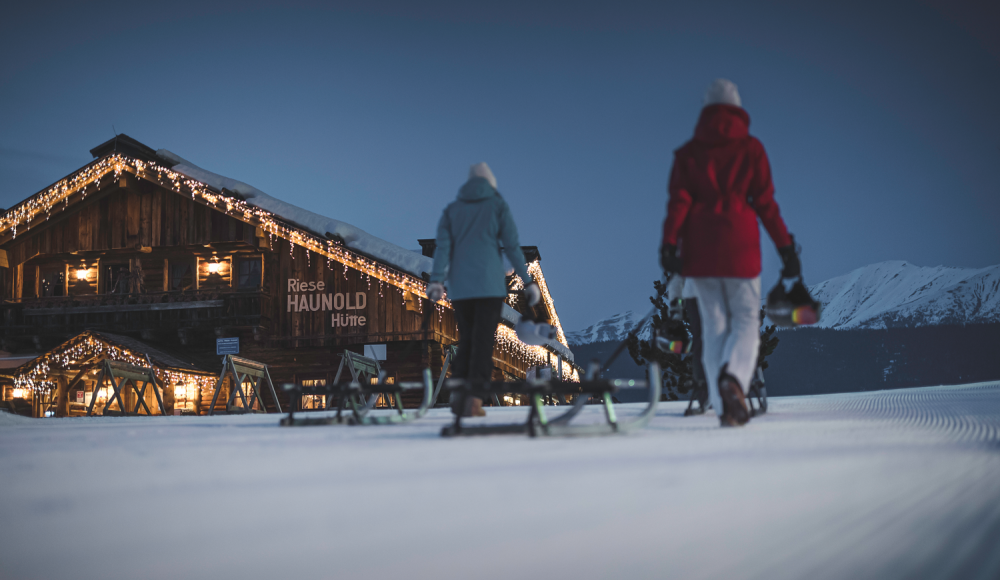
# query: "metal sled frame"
[[242, 369], [539, 424], [121, 375], [353, 394], [452, 353], [360, 367]]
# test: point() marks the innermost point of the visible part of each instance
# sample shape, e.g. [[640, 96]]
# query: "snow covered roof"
[[410, 261], [353, 237]]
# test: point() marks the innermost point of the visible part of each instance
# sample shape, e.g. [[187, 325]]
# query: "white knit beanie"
[[483, 170], [722, 92]]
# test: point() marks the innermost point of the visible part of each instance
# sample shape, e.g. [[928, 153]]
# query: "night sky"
[[882, 123]]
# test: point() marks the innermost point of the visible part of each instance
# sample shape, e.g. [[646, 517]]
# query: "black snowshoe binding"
[[674, 335], [795, 307]]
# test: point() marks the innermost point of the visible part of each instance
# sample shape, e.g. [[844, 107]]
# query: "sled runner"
[[538, 422], [358, 399]]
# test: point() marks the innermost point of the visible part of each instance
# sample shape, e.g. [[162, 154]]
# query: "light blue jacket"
[[473, 231]]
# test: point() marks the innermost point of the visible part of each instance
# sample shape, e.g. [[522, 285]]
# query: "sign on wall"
[[346, 308], [227, 345]]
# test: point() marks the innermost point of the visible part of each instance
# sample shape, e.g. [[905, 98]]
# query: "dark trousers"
[[477, 326]]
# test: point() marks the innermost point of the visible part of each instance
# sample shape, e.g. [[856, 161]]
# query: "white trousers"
[[730, 329]]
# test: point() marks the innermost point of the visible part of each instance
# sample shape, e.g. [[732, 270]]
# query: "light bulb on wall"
[[81, 273], [213, 266]]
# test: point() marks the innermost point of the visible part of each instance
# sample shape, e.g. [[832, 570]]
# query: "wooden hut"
[[144, 246]]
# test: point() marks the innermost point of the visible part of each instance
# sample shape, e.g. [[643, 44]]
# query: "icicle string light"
[[507, 342], [85, 347], [23, 214]]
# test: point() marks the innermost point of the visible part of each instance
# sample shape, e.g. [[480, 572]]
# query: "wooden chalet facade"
[[128, 247]]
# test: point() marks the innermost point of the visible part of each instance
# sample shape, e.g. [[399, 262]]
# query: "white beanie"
[[722, 92], [483, 170]]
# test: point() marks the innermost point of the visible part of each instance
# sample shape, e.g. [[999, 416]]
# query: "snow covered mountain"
[[895, 294], [614, 328], [883, 295]]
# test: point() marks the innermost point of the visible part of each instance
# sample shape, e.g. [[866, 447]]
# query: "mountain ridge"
[[890, 294]]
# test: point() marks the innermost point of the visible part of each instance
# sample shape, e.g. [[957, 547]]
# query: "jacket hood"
[[483, 170], [476, 189], [721, 123]]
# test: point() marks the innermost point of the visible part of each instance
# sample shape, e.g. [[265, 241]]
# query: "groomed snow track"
[[886, 484], [962, 413]]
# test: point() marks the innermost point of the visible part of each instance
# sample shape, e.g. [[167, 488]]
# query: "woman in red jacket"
[[719, 185]]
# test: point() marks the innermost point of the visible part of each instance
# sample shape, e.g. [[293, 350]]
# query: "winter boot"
[[734, 406], [473, 406]]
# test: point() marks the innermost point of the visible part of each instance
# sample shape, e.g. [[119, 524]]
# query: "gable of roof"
[[125, 145]]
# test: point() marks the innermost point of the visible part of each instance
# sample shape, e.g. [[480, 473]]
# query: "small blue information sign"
[[227, 345]]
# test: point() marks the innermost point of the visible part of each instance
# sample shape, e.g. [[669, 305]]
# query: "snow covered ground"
[[889, 484]]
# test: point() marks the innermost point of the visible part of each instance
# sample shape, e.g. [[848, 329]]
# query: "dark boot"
[[734, 405], [473, 406]]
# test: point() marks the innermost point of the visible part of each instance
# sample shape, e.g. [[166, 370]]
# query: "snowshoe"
[[795, 307], [674, 337], [534, 333]]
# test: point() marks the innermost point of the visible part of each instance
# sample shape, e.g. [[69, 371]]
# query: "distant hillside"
[[898, 294], [811, 361], [613, 328], [886, 325]]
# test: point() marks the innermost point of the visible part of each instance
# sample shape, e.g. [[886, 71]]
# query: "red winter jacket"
[[720, 184]]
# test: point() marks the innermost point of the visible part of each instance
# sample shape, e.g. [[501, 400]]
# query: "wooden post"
[[62, 397]]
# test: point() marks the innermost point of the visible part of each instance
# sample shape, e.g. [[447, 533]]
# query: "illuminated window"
[[313, 401]]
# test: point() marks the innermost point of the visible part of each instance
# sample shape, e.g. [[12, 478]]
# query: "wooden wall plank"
[[156, 219], [146, 219], [133, 217]]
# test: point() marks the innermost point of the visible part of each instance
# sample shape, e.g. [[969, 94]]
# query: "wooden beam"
[[125, 308]]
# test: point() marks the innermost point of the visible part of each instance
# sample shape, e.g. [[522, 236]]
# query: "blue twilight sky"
[[881, 120]]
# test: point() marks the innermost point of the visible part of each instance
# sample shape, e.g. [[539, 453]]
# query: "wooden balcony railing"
[[133, 311]]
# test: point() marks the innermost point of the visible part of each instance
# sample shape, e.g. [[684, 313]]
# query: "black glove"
[[669, 260], [790, 260]]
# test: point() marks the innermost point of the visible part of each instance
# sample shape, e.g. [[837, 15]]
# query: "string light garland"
[[508, 343], [45, 201], [87, 346]]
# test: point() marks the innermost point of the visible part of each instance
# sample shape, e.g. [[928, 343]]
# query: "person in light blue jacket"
[[473, 231]]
